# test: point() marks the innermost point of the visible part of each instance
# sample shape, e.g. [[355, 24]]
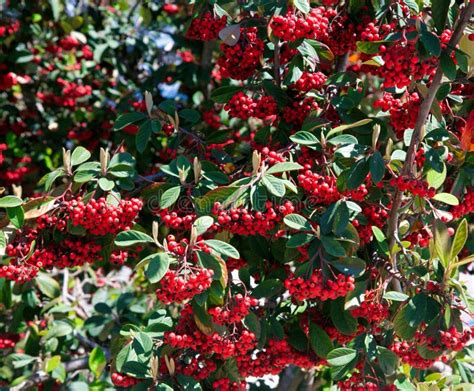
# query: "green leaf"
[[223, 248], [332, 246], [188, 383], [299, 240], [341, 318], [357, 174], [202, 224], [223, 94], [302, 5], [79, 155], [350, 265], [48, 285], [341, 356], [395, 296], [53, 363], [55, 8], [460, 239], [283, 167], [190, 115], [16, 216], [297, 222], [401, 326], [276, 92], [448, 66], [436, 179], [158, 265], [379, 235], [304, 138], [268, 288], [439, 11], [341, 128], [343, 139], [415, 310], [59, 329], [106, 184], [128, 119], [442, 242], [143, 135], [274, 185], [369, 47], [168, 106], [377, 167], [83, 176], [50, 177], [323, 51], [431, 43], [169, 197], [10, 201], [129, 238], [252, 322], [320, 341], [447, 198], [387, 359], [122, 357], [97, 361]]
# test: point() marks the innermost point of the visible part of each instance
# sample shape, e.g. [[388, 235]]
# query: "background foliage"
[[197, 195]]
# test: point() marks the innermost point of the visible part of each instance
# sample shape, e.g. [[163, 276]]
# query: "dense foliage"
[[198, 194]]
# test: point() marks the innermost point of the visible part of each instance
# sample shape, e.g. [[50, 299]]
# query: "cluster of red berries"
[[453, 339], [244, 107], [206, 28], [416, 187], [122, 380], [198, 368], [8, 341], [240, 61], [235, 264], [343, 33], [238, 309], [225, 384], [16, 173], [70, 93], [358, 382], [323, 188], [271, 157], [176, 288], [212, 119], [340, 338], [317, 287], [187, 336], [9, 29], [420, 237], [243, 221], [376, 216], [177, 219], [8, 80], [70, 251], [370, 309], [291, 27], [19, 273], [100, 218], [401, 66], [273, 359], [408, 353], [465, 207], [403, 112], [298, 110], [310, 81]]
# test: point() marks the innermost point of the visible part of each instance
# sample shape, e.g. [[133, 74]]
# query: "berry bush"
[[218, 195]]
